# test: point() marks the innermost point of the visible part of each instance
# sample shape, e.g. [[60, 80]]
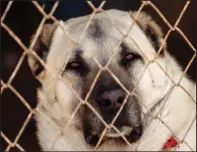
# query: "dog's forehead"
[[102, 25], [101, 36]]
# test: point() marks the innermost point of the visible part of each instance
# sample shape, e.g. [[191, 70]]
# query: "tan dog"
[[175, 108]]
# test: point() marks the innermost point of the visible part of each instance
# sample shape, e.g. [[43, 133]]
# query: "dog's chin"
[[131, 134], [125, 131]]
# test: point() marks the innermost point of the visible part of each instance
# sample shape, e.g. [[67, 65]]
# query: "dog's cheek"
[[141, 78], [66, 99], [153, 86], [160, 83]]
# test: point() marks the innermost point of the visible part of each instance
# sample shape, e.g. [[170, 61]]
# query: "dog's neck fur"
[[176, 102]]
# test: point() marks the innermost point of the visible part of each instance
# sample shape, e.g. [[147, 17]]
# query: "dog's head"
[[130, 50]]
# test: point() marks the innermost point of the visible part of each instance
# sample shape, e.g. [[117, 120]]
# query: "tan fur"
[[58, 102], [45, 38]]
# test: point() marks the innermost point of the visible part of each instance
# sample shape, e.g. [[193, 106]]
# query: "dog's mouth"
[[131, 134], [125, 131]]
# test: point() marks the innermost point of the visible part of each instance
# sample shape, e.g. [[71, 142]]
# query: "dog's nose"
[[111, 100]]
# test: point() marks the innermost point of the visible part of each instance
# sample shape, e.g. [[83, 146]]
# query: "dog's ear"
[[41, 47], [152, 30]]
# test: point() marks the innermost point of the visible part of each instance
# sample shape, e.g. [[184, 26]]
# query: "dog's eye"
[[127, 59], [73, 65], [77, 67]]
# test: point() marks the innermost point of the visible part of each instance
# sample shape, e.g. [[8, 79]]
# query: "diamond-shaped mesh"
[[29, 50]]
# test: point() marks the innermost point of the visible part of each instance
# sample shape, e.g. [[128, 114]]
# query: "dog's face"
[[79, 65]]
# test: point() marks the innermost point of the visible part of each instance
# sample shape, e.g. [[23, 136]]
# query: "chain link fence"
[[29, 50]]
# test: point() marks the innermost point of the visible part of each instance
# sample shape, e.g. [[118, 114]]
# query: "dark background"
[[23, 18]]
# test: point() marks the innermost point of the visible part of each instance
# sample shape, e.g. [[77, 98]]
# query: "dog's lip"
[[132, 134], [125, 131]]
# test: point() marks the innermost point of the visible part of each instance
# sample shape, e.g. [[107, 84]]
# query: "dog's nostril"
[[106, 103], [120, 100], [111, 99]]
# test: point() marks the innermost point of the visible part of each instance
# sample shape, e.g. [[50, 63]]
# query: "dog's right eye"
[[77, 67], [73, 65]]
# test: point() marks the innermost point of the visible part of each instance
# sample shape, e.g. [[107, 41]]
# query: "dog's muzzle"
[[128, 121], [107, 98], [131, 134]]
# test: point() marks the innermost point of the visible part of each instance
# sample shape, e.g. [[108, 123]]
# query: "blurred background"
[[24, 18]]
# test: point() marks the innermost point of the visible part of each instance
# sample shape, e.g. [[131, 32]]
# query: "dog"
[[154, 112]]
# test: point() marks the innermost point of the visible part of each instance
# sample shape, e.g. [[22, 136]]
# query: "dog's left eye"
[[127, 59]]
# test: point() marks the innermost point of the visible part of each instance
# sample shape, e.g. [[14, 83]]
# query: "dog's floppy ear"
[[152, 30], [41, 47]]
